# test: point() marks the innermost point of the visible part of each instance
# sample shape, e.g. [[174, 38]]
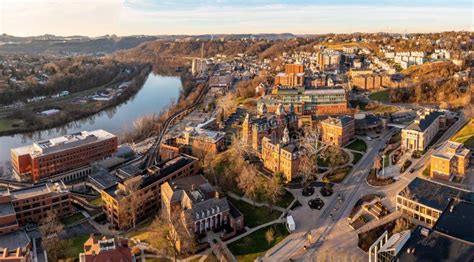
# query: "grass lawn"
[[285, 200], [76, 246], [255, 244], [141, 232], [338, 175], [358, 145], [72, 219], [7, 124], [465, 135], [255, 216], [96, 201], [382, 96], [357, 157]]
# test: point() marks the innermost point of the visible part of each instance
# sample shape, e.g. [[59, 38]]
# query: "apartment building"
[[451, 159], [267, 124], [32, 204], [135, 197], [338, 131], [308, 101], [281, 157], [419, 134], [329, 59], [199, 206], [425, 200], [54, 156], [292, 77]]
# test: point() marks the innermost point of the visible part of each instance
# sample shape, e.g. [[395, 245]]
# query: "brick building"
[[51, 157], [199, 139], [281, 157], [292, 77], [199, 206], [450, 160], [308, 101], [338, 131], [272, 125], [141, 195], [32, 204]]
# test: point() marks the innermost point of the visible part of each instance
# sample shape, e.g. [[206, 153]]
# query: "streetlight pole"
[[383, 165]]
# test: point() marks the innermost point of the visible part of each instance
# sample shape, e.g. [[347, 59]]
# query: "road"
[[334, 233]]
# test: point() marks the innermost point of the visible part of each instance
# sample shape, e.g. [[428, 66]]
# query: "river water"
[[157, 92]]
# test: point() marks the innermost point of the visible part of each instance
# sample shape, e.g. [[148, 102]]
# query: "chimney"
[[217, 194], [193, 187]]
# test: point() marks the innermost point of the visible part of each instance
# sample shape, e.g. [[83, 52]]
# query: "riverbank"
[[25, 120]]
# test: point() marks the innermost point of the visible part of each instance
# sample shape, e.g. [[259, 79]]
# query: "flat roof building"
[[144, 190], [449, 160], [425, 200], [54, 156]]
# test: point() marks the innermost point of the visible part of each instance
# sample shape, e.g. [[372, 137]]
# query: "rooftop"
[[456, 220], [339, 121], [435, 247], [431, 194], [37, 190], [63, 142], [451, 149], [14, 240], [6, 209], [424, 121]]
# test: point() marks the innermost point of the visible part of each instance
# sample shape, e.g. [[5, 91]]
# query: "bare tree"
[[307, 164], [274, 190], [249, 182], [227, 104], [270, 235], [51, 241]]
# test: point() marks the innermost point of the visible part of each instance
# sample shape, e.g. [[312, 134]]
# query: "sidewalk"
[[254, 203]]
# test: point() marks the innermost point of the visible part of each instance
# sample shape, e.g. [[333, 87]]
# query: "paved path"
[[276, 221], [377, 222]]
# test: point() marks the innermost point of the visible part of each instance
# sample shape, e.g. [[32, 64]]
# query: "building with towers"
[[281, 156], [267, 124]]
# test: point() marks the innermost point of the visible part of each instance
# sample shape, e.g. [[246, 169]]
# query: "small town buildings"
[[135, 197], [271, 125], [54, 156], [105, 250], [419, 134], [338, 131], [196, 204], [451, 159], [281, 157]]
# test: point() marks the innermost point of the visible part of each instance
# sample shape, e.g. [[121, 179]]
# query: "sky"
[[157, 17]]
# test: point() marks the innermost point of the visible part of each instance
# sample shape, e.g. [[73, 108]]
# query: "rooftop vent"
[[424, 232]]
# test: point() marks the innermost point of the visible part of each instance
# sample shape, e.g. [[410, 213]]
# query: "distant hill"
[[67, 45], [50, 44]]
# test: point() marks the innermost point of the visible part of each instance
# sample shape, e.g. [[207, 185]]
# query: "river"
[[157, 92]]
